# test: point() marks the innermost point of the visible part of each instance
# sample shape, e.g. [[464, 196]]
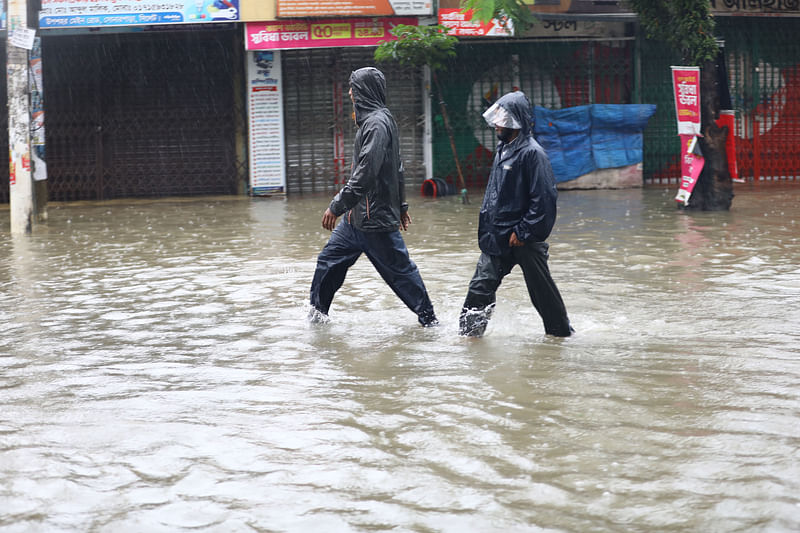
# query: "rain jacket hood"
[[521, 192], [518, 105], [374, 196], [369, 91]]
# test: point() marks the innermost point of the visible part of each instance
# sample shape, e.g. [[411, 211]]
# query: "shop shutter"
[[142, 114], [317, 116]]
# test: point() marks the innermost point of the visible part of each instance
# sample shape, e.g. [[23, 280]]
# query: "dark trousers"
[[491, 270], [388, 253]]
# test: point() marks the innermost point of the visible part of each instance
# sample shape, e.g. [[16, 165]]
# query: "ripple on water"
[[158, 374]]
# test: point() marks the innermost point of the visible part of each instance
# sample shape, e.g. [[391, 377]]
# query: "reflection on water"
[[157, 374]]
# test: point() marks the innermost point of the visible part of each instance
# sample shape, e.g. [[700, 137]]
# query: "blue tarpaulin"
[[584, 138]]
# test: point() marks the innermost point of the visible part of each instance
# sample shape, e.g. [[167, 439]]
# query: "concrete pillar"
[[21, 187]]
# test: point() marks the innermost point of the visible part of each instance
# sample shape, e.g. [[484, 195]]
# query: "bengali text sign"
[[322, 33]]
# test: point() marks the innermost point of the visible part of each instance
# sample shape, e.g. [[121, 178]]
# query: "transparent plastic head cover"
[[498, 116]]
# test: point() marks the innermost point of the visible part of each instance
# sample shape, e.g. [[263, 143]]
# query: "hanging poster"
[[692, 163], [94, 13], [37, 111], [19, 155], [686, 88], [321, 33], [265, 122]]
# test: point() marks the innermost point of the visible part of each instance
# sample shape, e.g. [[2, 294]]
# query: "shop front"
[[300, 125], [141, 99]]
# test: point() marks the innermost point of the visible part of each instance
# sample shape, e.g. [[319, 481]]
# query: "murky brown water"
[[157, 374]]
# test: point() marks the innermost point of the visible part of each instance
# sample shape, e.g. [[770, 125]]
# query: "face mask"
[[498, 116], [505, 134]]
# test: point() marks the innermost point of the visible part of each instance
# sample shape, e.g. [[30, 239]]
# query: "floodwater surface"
[[157, 374]]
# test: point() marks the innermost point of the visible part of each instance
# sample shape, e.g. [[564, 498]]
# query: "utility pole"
[[22, 198]]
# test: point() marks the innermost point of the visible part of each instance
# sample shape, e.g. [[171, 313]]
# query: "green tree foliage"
[[518, 11], [685, 25], [417, 46], [425, 45]]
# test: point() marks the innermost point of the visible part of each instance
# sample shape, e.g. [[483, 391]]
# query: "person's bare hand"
[[513, 241], [405, 220], [329, 220]]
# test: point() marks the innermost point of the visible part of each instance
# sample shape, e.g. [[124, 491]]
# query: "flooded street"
[[157, 374]]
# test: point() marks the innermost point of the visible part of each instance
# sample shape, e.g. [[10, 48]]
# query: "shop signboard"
[[265, 123], [577, 29], [321, 33], [353, 8], [100, 13], [755, 7], [461, 24]]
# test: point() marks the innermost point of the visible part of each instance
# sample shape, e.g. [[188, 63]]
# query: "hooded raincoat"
[[372, 202], [521, 193], [375, 193]]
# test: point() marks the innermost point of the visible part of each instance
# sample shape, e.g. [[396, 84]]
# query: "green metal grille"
[[763, 63], [553, 74], [662, 145]]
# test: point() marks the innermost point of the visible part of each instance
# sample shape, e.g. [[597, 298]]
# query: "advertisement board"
[[686, 89], [322, 33], [353, 8], [265, 123], [99, 13], [461, 24]]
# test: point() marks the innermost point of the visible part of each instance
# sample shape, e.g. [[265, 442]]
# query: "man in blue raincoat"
[[516, 217], [374, 208]]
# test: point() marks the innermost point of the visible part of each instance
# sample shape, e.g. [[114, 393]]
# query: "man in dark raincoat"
[[374, 208], [517, 215]]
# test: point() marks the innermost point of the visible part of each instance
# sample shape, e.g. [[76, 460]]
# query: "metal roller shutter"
[[142, 114], [317, 115]]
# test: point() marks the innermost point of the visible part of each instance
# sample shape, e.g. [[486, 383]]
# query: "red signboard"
[[321, 33]]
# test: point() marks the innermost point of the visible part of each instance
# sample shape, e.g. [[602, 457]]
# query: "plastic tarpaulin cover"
[[581, 139]]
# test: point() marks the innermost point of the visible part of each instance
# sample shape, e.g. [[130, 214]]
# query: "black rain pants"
[[490, 271], [388, 253]]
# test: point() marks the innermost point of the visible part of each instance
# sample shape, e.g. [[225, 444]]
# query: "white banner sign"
[[265, 112], [93, 13]]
